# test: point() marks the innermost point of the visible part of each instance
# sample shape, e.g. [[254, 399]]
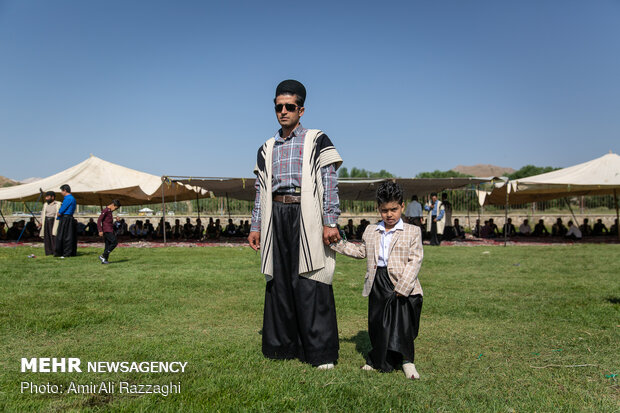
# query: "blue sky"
[[186, 87]]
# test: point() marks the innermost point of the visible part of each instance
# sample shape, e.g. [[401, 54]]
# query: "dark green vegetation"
[[499, 328]]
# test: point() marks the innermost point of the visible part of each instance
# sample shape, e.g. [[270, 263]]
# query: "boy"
[[105, 225], [394, 252]]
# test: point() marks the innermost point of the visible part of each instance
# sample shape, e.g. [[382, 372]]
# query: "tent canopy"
[[98, 182], [348, 188], [600, 176]]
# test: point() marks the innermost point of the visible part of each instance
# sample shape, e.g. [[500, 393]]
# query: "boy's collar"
[[398, 227]]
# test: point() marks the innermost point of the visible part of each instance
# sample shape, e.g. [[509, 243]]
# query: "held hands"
[[254, 240], [330, 235]]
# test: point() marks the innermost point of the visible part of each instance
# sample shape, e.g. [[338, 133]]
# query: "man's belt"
[[287, 199]]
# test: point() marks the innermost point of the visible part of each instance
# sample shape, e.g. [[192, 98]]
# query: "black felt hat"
[[291, 87]]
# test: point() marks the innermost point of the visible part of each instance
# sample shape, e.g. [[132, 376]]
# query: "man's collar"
[[399, 226], [299, 130]]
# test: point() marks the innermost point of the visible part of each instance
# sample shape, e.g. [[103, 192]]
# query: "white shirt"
[[525, 229], [573, 230], [386, 240]]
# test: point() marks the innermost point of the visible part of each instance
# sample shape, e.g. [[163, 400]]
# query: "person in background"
[[435, 221], [586, 229], [177, 229], [49, 223], [573, 231], [188, 228], [558, 229], [2, 231], [494, 229], [91, 228], [106, 230], [31, 229], [66, 238], [614, 228], [349, 230], [525, 229], [459, 232], [509, 228], [540, 230], [477, 232], [413, 213], [230, 230], [447, 231], [198, 229], [599, 228]]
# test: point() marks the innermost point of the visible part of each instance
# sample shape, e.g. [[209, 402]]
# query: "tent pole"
[[227, 205], [616, 203], [506, 220], [571, 210], [35, 218], [4, 219], [163, 208], [198, 204]]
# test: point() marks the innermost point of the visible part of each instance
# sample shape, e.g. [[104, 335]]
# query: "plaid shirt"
[[287, 163]]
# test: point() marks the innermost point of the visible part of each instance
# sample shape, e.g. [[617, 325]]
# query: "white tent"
[[600, 176], [97, 182]]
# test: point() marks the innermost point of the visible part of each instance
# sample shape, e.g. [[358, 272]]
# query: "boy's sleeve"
[[414, 261], [350, 249], [99, 222]]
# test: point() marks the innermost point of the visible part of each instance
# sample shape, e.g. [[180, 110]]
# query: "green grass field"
[[502, 329]]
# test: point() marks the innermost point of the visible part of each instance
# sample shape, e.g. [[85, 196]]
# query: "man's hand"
[[330, 235], [101, 234], [254, 240], [434, 219]]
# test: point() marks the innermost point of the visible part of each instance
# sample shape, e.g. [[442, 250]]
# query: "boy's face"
[[391, 213], [112, 207]]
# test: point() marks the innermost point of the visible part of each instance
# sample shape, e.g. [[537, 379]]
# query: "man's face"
[[63, 192], [113, 207], [434, 198], [286, 118]]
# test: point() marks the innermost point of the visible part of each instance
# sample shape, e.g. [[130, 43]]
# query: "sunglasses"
[[290, 107]]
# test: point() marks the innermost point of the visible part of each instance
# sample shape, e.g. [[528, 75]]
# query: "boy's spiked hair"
[[389, 191]]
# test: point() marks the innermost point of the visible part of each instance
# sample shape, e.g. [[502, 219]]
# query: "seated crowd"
[[214, 230]]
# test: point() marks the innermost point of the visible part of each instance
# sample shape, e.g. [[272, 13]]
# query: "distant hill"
[[4, 182], [483, 170], [29, 180]]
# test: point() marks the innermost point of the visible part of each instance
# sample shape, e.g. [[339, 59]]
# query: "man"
[[540, 230], [447, 230], [413, 213], [599, 228], [294, 220], [66, 238], [459, 232], [586, 229], [525, 229], [558, 229], [91, 228], [435, 222], [573, 231], [509, 228], [49, 223], [106, 230]]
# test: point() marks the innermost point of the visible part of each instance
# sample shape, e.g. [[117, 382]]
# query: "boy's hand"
[[101, 234], [330, 235], [254, 240]]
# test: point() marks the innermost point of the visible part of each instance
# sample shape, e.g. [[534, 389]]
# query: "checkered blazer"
[[404, 261]]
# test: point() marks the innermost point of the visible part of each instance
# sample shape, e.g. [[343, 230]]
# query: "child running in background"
[[394, 256], [105, 226]]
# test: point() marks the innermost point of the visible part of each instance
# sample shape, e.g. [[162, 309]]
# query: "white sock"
[[410, 371], [367, 367], [326, 366]]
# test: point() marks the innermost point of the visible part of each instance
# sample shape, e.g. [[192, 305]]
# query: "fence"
[[462, 201]]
